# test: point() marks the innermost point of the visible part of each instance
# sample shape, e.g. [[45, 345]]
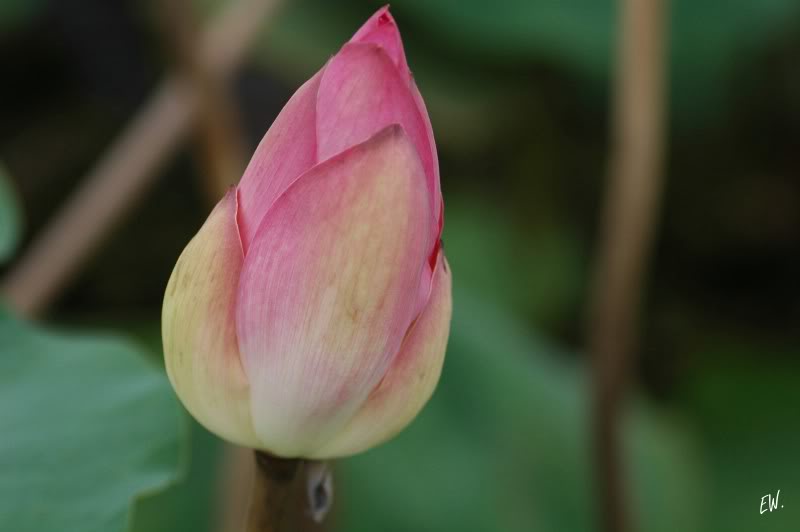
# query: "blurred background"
[[519, 94]]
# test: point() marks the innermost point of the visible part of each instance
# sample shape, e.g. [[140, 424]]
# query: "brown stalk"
[[288, 494], [628, 225], [272, 493]]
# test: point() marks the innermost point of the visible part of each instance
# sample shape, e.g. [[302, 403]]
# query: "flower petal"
[[201, 350], [436, 189], [381, 29], [329, 288], [288, 150], [360, 93], [410, 381]]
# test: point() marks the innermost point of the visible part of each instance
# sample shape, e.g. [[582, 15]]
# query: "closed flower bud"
[[309, 315]]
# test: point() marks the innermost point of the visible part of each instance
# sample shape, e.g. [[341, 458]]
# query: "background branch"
[[220, 143], [123, 174], [629, 217]]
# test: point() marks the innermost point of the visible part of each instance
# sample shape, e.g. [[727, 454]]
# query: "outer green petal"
[[410, 381], [201, 351]]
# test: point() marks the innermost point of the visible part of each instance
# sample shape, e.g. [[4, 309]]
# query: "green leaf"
[[746, 410], [88, 425], [14, 13], [192, 504], [706, 42], [10, 218], [541, 279], [503, 445]]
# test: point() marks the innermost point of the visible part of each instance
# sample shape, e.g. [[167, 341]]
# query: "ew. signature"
[[769, 503]]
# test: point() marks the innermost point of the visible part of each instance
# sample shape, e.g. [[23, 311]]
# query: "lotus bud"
[[309, 315]]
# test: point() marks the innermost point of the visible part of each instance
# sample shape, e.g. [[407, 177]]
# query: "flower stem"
[[272, 492], [289, 494]]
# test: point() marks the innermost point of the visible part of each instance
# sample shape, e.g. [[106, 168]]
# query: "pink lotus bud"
[[309, 315]]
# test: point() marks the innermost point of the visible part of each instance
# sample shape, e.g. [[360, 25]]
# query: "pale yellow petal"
[[410, 381], [201, 350]]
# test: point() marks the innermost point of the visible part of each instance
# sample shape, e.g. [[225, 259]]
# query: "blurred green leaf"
[[576, 33], [10, 217], [14, 13], [191, 504], [88, 425], [542, 279], [747, 413], [706, 42], [503, 446]]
